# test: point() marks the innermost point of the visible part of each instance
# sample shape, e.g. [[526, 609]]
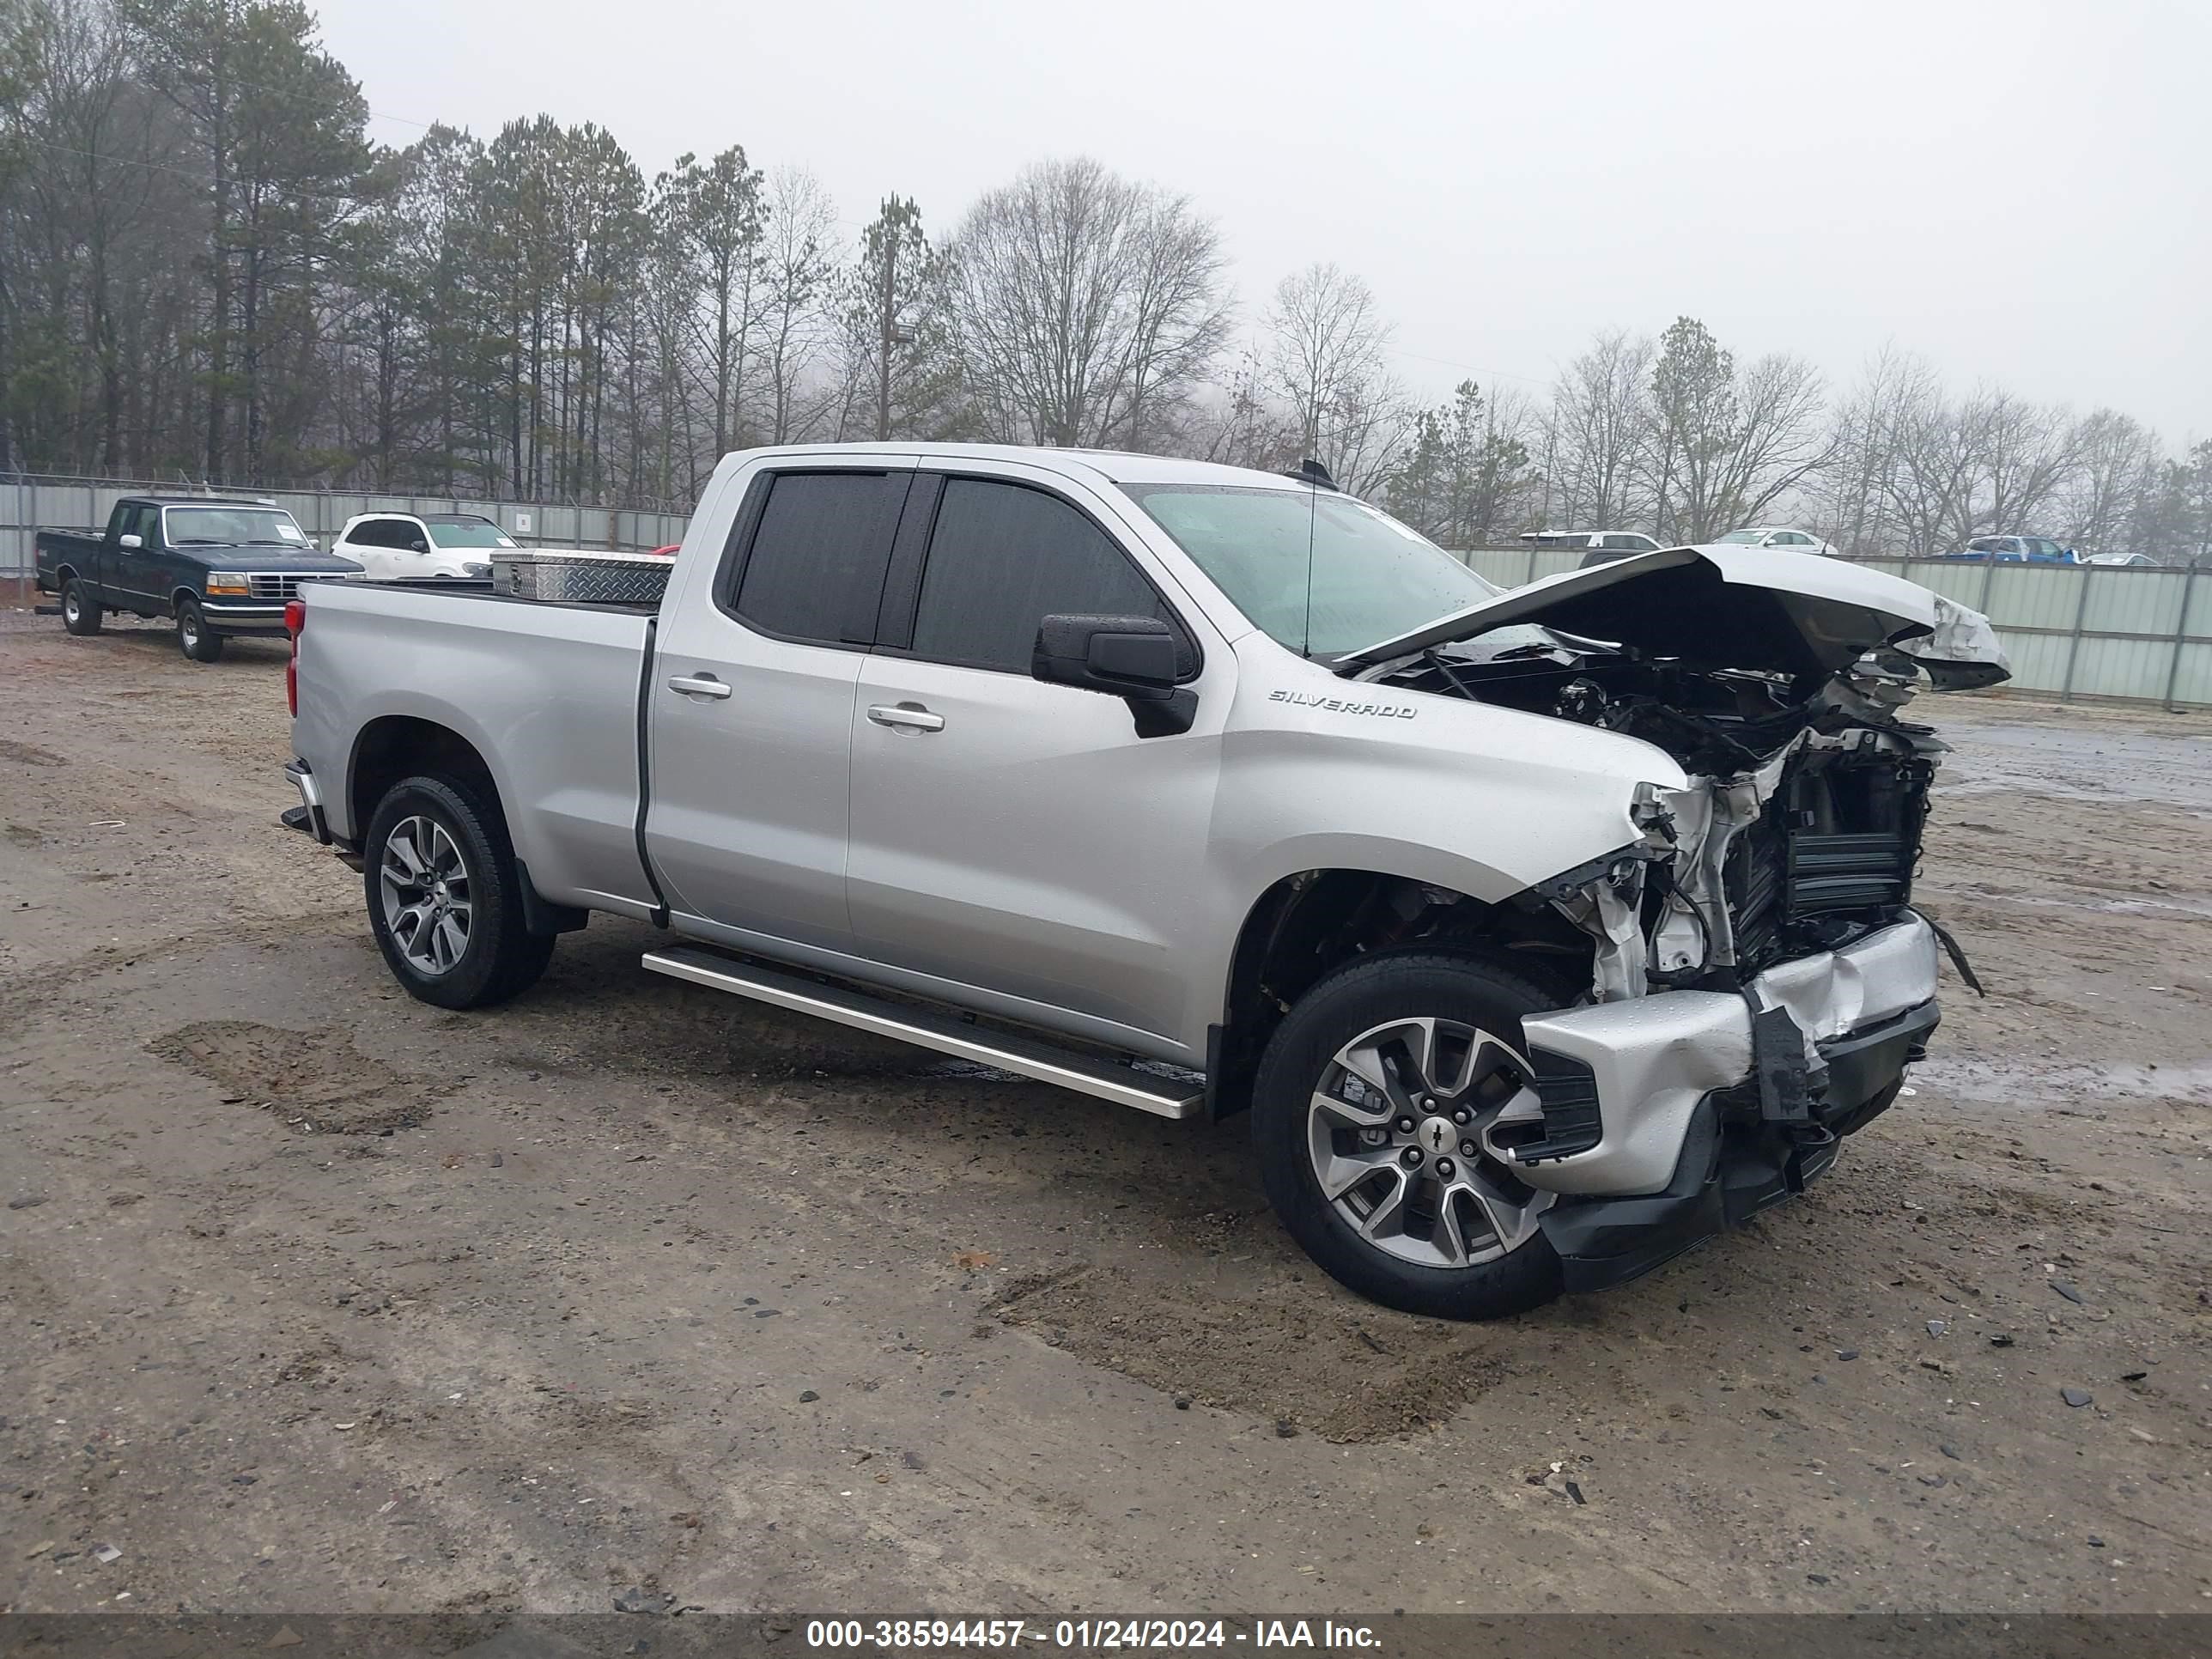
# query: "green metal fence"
[[2130, 634]]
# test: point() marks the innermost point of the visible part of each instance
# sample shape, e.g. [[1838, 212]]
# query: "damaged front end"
[[1759, 976]]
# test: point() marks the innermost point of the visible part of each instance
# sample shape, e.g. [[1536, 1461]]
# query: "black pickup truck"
[[216, 566]]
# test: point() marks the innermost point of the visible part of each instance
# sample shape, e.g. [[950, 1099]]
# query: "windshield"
[[467, 532], [233, 526], [1371, 579], [1743, 538]]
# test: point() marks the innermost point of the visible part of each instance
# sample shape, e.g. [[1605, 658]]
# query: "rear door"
[[1008, 834], [376, 542], [749, 707]]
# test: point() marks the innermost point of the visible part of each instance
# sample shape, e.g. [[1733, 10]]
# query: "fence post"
[[1989, 576], [2074, 647], [2180, 633]]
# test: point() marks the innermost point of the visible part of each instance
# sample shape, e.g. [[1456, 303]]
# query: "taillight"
[[296, 621]]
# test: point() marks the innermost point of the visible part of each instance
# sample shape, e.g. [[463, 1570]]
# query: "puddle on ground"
[[2000, 1083], [2079, 763], [2103, 907]]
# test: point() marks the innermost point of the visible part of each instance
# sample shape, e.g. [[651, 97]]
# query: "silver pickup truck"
[[1543, 933]]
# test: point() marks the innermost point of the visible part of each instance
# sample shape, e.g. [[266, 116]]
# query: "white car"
[[397, 546], [1781, 537]]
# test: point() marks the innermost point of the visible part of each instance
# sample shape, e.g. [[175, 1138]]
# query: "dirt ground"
[[316, 1298]]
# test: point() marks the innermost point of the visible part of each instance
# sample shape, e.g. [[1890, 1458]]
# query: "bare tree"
[[1600, 431], [1727, 444], [1850, 500], [796, 267], [1323, 357], [1086, 303], [2118, 463]]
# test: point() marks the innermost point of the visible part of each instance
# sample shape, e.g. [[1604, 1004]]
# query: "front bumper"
[[1664, 1135], [259, 618], [1651, 1058]]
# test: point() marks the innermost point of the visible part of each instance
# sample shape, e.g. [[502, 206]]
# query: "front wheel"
[[1382, 1115], [81, 612], [194, 638], [445, 896]]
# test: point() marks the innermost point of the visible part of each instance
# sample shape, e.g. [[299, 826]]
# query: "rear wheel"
[[194, 638], [81, 612], [445, 896], [1382, 1117]]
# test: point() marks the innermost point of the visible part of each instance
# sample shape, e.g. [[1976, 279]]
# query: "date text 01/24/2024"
[[1099, 1635]]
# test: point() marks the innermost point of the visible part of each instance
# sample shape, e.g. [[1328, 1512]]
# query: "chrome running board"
[[948, 1033]]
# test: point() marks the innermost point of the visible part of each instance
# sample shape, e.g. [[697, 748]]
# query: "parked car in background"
[[217, 566], [1780, 538], [1616, 543], [2015, 550], [408, 547], [2135, 561]]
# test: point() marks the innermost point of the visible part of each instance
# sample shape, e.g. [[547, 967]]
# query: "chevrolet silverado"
[[1542, 933]]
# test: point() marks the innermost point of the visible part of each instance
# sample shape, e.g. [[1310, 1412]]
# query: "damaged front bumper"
[[1670, 1116]]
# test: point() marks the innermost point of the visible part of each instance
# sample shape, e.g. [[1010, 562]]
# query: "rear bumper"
[[308, 816]]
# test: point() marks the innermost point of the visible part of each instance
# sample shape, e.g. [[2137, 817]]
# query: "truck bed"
[[547, 693]]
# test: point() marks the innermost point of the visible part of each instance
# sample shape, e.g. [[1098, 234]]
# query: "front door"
[[1012, 834], [127, 572], [750, 703]]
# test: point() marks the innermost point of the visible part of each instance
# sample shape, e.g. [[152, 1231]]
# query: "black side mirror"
[[1133, 658]]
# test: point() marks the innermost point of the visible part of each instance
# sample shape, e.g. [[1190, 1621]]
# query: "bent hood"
[[1725, 607]]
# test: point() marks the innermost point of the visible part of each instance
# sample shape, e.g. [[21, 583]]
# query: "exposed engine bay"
[[1799, 830], [1776, 682]]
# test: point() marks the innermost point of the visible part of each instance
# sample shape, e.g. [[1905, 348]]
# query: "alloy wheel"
[[428, 902], [1403, 1133]]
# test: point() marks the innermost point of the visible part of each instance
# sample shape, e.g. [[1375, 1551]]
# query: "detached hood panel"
[[1714, 607]]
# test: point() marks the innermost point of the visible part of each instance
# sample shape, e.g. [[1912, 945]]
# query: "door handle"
[[911, 717], [698, 685]]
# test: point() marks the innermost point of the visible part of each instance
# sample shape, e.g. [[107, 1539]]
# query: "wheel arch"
[[1306, 925], [394, 746]]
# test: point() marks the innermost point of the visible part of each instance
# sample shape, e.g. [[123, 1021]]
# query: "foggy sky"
[[2019, 192]]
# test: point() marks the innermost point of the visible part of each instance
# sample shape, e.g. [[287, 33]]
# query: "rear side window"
[[815, 570], [380, 532], [1002, 558]]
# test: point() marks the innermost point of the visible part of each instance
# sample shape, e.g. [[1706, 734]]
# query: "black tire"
[[501, 957], [1370, 993], [81, 614], [194, 637]]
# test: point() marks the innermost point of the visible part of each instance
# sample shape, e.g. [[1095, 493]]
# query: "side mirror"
[[418, 545], [1133, 658], [130, 540]]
